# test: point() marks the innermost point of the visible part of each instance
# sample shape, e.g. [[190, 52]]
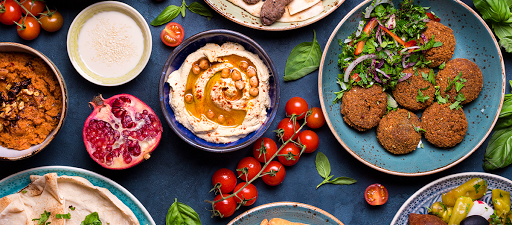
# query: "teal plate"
[[17, 181], [475, 42], [291, 211]]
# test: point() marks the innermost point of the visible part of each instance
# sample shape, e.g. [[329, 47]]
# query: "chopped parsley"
[[477, 186], [92, 219], [430, 76], [442, 65], [467, 207], [450, 84], [63, 216], [418, 129], [24, 191], [458, 100], [71, 207], [420, 97], [44, 217]]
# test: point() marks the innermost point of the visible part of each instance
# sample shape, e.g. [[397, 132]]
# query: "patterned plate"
[[17, 181], [423, 198]]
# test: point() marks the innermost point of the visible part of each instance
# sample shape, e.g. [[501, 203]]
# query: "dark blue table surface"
[[177, 170]]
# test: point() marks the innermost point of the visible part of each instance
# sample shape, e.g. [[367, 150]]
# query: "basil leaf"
[[327, 180], [506, 43], [322, 165], [503, 122], [183, 8], [493, 10], [91, 219], [180, 213], [498, 153], [167, 15], [200, 9], [506, 109], [343, 180], [63, 216], [304, 59], [502, 30]]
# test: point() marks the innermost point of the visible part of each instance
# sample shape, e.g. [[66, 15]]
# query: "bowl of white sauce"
[[109, 43]]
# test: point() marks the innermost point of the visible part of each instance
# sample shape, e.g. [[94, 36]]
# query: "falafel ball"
[[444, 127], [362, 108], [443, 34], [471, 79], [396, 131], [407, 93]]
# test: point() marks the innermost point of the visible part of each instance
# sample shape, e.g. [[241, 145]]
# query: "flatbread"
[[297, 6], [255, 10], [56, 194], [279, 221]]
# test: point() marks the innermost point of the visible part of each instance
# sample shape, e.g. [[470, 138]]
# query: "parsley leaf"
[[44, 217], [477, 186], [63, 216], [420, 97], [450, 85], [442, 65], [92, 219]]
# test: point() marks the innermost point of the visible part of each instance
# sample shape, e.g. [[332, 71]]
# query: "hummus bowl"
[[220, 132], [12, 154]]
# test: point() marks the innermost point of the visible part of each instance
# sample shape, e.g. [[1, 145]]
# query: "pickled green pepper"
[[461, 209], [474, 188], [441, 210], [501, 202]]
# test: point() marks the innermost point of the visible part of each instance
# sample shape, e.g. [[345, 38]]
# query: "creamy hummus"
[[220, 93], [62, 195]]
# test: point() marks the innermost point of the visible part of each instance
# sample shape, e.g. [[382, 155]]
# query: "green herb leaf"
[[63, 216], [167, 15], [493, 10], [506, 43], [498, 153], [24, 191], [44, 217], [91, 219], [420, 97], [442, 65], [322, 165], [200, 9], [180, 213], [183, 8], [476, 186], [452, 82], [325, 181], [304, 59], [343, 180]]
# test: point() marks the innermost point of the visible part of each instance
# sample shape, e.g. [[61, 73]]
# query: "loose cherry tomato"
[[286, 129], [28, 28], [292, 153], [316, 119], [274, 173], [172, 34], [51, 21], [226, 178], [10, 12], [376, 194], [296, 106], [248, 168], [264, 149], [248, 195], [309, 139], [33, 6], [226, 207]]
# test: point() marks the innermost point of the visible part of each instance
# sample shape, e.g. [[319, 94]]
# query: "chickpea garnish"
[[225, 73], [195, 69], [221, 119], [254, 82], [239, 84], [189, 98], [244, 65], [254, 91], [236, 75], [210, 114], [204, 64], [251, 72]]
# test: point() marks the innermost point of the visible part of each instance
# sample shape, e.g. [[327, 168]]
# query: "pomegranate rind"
[[103, 111]]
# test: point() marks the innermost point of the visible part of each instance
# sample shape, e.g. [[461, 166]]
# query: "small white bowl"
[[73, 45]]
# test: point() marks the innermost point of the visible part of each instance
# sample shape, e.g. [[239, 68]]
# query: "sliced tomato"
[[393, 35], [369, 27], [355, 77], [172, 35], [376, 194], [433, 17]]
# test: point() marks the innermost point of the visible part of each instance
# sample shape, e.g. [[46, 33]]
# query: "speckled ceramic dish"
[[17, 181], [174, 62], [291, 211], [242, 17], [475, 42], [74, 32], [420, 201], [10, 154]]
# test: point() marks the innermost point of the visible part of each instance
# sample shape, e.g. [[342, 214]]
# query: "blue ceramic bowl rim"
[[281, 204], [331, 127], [169, 114]]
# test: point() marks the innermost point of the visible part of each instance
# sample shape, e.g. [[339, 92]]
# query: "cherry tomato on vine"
[[274, 173], [249, 194], [10, 12], [172, 34], [292, 153], [51, 21], [226, 207], [33, 6], [309, 139], [286, 129], [296, 106], [316, 119], [376, 194], [248, 168], [28, 28], [226, 178], [263, 149]]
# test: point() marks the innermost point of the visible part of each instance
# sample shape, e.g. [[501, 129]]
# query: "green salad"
[[387, 41]]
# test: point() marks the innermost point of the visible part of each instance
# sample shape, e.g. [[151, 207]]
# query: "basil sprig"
[[324, 169], [498, 14], [172, 11], [498, 153], [304, 59], [180, 213]]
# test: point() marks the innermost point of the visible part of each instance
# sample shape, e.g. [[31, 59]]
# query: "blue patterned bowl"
[[475, 42], [420, 201], [174, 62]]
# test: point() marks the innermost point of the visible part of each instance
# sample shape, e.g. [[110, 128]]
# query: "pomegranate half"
[[121, 131]]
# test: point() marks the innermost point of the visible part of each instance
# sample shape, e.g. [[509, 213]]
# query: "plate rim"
[[284, 203], [270, 28], [91, 173], [333, 131], [440, 180]]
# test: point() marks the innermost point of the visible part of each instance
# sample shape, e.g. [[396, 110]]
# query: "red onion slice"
[[372, 6], [383, 73], [407, 75], [355, 63]]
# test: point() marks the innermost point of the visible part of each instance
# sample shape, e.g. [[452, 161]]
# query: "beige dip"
[[220, 93]]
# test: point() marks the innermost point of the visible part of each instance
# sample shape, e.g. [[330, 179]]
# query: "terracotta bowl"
[[11, 154]]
